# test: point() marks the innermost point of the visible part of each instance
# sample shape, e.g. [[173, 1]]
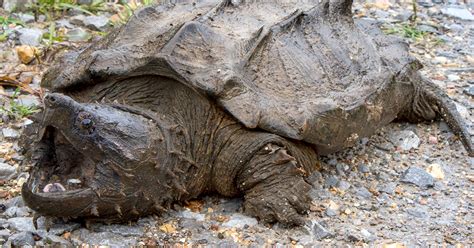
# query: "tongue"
[[53, 187]]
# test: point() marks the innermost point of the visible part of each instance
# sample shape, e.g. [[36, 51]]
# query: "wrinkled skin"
[[184, 100]]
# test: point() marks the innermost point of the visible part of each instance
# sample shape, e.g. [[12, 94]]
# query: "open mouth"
[[61, 181]]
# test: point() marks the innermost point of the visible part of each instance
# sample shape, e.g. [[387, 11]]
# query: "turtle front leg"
[[274, 186]]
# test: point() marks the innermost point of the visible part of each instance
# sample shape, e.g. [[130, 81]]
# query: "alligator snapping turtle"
[[215, 96]]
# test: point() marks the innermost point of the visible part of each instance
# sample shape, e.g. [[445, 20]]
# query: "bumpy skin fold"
[[215, 96]]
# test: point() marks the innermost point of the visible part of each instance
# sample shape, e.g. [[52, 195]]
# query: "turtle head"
[[87, 158]]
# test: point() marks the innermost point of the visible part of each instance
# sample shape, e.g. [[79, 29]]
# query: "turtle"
[[236, 98]]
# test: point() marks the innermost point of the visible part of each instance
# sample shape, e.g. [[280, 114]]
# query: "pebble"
[[388, 188], [463, 111], [56, 241], [418, 213], [433, 140], [405, 139], [458, 12], [21, 224], [331, 181], [10, 133], [320, 232], [30, 36], [123, 230], [84, 236], [436, 171], [343, 185], [97, 23], [469, 91], [363, 192], [453, 78], [240, 221], [418, 177], [362, 168], [7, 171], [22, 239], [28, 100], [17, 212], [78, 34]]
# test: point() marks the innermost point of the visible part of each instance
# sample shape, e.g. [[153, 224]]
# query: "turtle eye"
[[86, 123]]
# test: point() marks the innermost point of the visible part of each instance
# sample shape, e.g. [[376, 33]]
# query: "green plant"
[[407, 31], [17, 110], [5, 21]]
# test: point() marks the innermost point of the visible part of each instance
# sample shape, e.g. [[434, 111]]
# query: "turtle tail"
[[430, 103]]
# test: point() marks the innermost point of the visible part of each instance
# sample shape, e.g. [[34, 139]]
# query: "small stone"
[[78, 34], [10, 133], [16, 5], [343, 185], [463, 111], [82, 236], [362, 168], [433, 140], [28, 100], [7, 171], [240, 221], [4, 234], [98, 23], [367, 235], [453, 77], [388, 188], [64, 23], [331, 181], [330, 212], [77, 20], [30, 36], [418, 177], [22, 239], [22, 224], [26, 18], [192, 215], [320, 232], [418, 213], [436, 171], [469, 91], [17, 212], [123, 230], [56, 241], [406, 140], [458, 12], [363, 192]]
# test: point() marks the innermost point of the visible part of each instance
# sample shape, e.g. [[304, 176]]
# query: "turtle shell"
[[305, 71]]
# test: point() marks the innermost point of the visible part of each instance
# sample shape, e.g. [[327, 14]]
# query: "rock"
[[17, 212], [22, 239], [240, 221], [343, 185], [123, 230], [453, 78], [56, 241], [7, 171], [28, 100], [320, 232], [16, 5], [59, 227], [469, 91], [367, 235], [4, 234], [458, 12], [26, 18], [192, 215], [331, 181], [388, 188], [15, 202], [84, 236], [363, 192], [406, 140], [436, 171], [25, 53], [463, 111], [64, 23], [78, 34], [77, 20], [433, 140], [363, 168], [87, 2], [10, 133], [30, 36], [418, 177], [21, 224], [418, 213], [97, 23]]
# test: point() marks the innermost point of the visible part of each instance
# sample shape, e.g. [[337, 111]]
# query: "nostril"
[[50, 99]]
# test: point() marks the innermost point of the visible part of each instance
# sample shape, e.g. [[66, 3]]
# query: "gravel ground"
[[407, 186]]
